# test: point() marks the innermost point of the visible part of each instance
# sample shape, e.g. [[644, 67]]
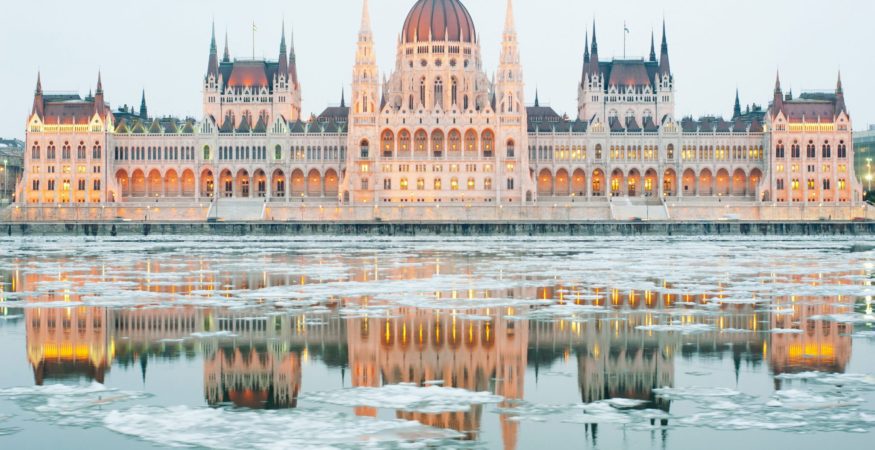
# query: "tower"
[[510, 107], [363, 133]]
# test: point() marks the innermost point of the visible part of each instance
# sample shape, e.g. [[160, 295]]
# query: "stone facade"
[[437, 131]]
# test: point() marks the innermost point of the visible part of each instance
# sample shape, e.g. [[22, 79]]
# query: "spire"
[[537, 100], [293, 61], [342, 97], [366, 18], [99, 84], [38, 96], [652, 47], [99, 103], [144, 112], [213, 64], [508, 19], [778, 100], [226, 58], [664, 65], [586, 48], [840, 97], [736, 112], [283, 59], [594, 52]]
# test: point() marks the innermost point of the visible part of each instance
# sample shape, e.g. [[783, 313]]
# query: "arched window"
[[404, 184], [420, 141], [206, 152], [454, 184], [488, 143], [826, 151], [454, 92], [422, 92], [795, 151], [35, 151], [670, 151], [438, 93], [843, 150], [410, 105], [388, 144], [471, 184], [471, 141], [437, 184], [278, 153], [779, 150], [811, 151], [511, 150], [487, 184], [404, 140], [437, 143], [420, 184], [365, 149]]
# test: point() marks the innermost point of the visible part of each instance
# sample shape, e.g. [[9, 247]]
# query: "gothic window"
[[454, 91], [422, 92], [843, 150], [420, 141], [827, 151], [795, 151], [437, 143], [510, 148], [510, 183], [404, 184], [410, 105], [487, 143], [206, 152], [404, 140], [35, 152], [779, 150], [420, 184], [465, 106], [487, 184], [810, 150], [80, 151], [388, 144], [437, 184], [455, 141], [471, 184], [365, 150], [439, 93], [278, 153]]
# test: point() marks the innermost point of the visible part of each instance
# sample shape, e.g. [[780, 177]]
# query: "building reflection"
[[252, 359]]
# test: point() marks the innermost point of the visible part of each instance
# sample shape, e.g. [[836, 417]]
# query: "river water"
[[664, 343]]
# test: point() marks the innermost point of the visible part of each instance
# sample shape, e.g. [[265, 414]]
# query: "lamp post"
[[6, 179]]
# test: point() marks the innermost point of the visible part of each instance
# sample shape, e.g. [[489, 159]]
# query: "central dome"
[[438, 20]]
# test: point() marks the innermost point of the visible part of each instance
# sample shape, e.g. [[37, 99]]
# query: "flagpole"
[[253, 40], [625, 31]]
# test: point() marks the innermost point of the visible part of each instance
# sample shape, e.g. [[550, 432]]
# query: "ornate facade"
[[438, 130]]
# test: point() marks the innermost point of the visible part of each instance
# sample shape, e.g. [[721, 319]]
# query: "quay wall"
[[425, 229]]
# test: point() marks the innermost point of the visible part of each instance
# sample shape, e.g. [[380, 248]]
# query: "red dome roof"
[[439, 20]]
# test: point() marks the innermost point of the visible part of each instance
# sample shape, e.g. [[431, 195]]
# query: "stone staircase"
[[638, 209], [234, 210]]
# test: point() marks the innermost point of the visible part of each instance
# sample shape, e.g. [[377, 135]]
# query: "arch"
[[470, 143], [188, 183], [404, 141], [171, 184], [753, 180], [670, 183], [420, 143], [511, 148], [298, 183], [278, 184], [578, 183], [723, 183], [365, 148], [487, 143], [598, 183], [332, 183], [562, 183], [154, 184], [260, 188], [706, 183], [617, 182], [688, 181], [651, 183], [226, 183], [124, 182], [208, 184], [242, 187], [634, 186], [437, 143], [454, 142], [545, 183], [387, 143], [739, 183], [314, 184]]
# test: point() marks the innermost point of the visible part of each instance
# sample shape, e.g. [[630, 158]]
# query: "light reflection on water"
[[614, 343]]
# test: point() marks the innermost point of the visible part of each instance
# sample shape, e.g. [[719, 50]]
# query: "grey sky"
[[163, 45]]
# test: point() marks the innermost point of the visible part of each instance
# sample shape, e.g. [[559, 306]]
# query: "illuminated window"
[[420, 184], [404, 184], [454, 184], [471, 184], [487, 183], [437, 184]]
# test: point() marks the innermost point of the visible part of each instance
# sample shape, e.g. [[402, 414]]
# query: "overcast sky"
[[162, 46]]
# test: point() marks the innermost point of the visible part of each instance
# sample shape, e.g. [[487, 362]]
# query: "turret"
[[213, 64], [283, 58], [840, 97], [736, 111], [144, 112], [594, 57], [664, 65], [652, 47], [778, 100], [226, 58], [38, 96], [585, 59], [99, 102]]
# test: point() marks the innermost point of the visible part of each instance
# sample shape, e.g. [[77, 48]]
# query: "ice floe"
[[407, 397]]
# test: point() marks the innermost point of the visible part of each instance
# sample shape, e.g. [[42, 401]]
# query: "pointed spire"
[[537, 100], [226, 58], [508, 19], [343, 97], [366, 18], [594, 52], [664, 65], [736, 111], [778, 99], [840, 97], [652, 47], [144, 112], [586, 48], [38, 96], [283, 59], [293, 60], [39, 83], [99, 83], [213, 63], [99, 103]]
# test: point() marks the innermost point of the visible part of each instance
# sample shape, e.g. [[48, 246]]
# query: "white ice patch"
[[79, 406], [407, 397], [678, 328], [184, 426]]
